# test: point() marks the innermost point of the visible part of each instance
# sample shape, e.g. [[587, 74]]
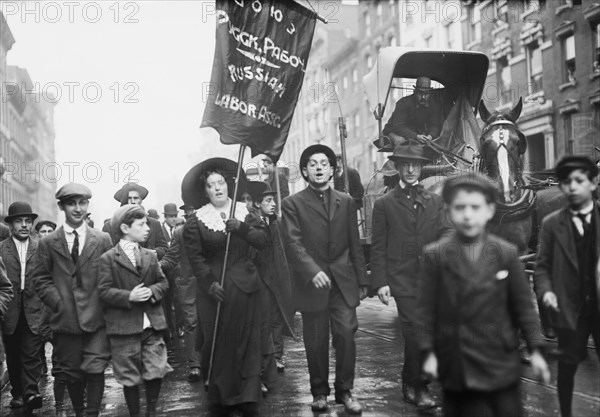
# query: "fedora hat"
[[19, 209], [123, 194], [192, 186], [423, 85], [170, 209], [313, 149], [412, 151]]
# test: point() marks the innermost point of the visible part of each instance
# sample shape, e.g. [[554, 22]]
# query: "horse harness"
[[503, 122]]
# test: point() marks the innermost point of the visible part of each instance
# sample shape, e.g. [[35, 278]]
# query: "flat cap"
[[569, 163], [73, 189], [470, 181], [123, 211]]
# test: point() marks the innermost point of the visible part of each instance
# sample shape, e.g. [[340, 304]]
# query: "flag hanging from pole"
[[261, 54]]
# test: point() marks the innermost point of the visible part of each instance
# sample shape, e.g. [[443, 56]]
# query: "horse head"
[[502, 145]]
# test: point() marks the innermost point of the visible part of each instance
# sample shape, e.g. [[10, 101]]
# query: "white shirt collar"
[[403, 184], [585, 211], [80, 230]]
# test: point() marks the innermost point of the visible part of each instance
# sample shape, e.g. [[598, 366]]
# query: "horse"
[[522, 205]]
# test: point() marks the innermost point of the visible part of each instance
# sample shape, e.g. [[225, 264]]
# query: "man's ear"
[[124, 228], [60, 206], [305, 172], [492, 210]]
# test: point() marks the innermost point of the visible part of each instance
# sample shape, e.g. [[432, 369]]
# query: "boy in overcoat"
[[473, 301], [329, 275], [66, 279], [567, 279], [404, 221], [21, 325], [131, 285]]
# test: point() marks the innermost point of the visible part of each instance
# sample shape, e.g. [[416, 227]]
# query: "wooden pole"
[[231, 214], [278, 191]]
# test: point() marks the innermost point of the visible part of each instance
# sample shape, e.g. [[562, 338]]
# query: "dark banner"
[[261, 54]]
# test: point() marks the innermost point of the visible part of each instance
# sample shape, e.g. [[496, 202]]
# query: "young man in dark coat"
[[132, 193], [22, 338], [66, 279], [329, 275], [404, 221], [567, 279], [131, 286], [473, 302]]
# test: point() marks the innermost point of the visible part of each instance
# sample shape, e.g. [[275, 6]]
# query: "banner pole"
[[231, 214], [278, 191]]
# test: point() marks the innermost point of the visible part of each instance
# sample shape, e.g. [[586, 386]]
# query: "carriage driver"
[[419, 116]]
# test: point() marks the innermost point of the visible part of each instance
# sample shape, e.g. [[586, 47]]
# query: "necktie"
[[138, 257], [584, 223], [266, 220], [75, 248]]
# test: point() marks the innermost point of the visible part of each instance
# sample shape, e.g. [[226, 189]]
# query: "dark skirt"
[[235, 375]]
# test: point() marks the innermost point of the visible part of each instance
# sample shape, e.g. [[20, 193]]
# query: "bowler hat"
[[43, 223], [122, 194], [258, 190], [471, 181], [19, 209], [411, 150], [313, 149], [570, 163], [170, 209], [153, 214], [73, 189], [193, 191]]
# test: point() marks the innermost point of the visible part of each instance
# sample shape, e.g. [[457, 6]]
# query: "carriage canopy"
[[457, 71]]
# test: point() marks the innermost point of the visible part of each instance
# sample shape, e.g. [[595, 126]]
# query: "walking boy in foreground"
[[474, 299], [131, 285], [566, 275]]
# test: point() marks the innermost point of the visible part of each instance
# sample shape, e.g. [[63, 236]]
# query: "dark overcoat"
[[557, 266], [318, 242], [31, 301], [471, 314], [400, 233], [71, 291], [117, 277]]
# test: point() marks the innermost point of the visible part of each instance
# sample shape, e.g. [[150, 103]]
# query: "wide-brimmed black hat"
[[411, 150], [123, 194], [313, 149], [19, 209], [192, 187], [569, 163]]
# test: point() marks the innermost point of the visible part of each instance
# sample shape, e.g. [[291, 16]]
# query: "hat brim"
[[313, 149], [9, 219], [123, 194], [423, 89], [409, 157], [192, 187]]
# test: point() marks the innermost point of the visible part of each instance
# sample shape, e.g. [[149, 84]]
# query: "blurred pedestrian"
[[566, 277], [357, 190], [474, 300]]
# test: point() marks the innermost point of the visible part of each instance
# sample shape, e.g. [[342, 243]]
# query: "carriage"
[[460, 77]]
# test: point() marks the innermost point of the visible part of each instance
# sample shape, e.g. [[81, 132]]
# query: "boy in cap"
[[404, 221], [66, 279], [132, 193], [22, 320], [131, 285], [473, 301], [329, 275], [566, 274]]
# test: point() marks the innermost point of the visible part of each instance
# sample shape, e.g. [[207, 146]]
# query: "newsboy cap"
[[73, 189], [569, 163], [470, 181], [123, 211]]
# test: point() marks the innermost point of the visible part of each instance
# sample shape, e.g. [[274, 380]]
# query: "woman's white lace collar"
[[211, 217]]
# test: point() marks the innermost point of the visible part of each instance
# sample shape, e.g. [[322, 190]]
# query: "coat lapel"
[[31, 249], [146, 262], [89, 247], [123, 260], [402, 198], [311, 200], [334, 203], [12, 249], [565, 238], [60, 243]]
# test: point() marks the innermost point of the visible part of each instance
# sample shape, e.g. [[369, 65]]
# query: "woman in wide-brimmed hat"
[[235, 377]]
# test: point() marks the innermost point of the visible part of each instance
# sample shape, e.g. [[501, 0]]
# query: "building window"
[[354, 75], [367, 23], [379, 13], [393, 7], [369, 62], [534, 68], [596, 44], [502, 14], [568, 46], [450, 38], [474, 26], [504, 80], [345, 82], [357, 121], [568, 129]]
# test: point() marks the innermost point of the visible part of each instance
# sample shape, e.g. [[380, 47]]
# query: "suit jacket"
[[6, 292], [318, 242], [31, 302], [4, 232], [156, 239], [75, 308], [408, 120], [400, 233], [176, 257], [472, 313], [165, 233], [117, 277], [557, 266]]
